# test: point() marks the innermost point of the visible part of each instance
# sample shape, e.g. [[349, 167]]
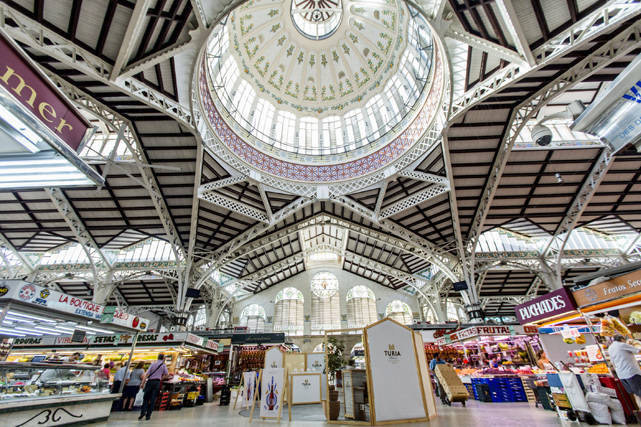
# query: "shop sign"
[[476, 331], [28, 87], [68, 340], [617, 287], [552, 304], [194, 339], [28, 293], [212, 345], [122, 318]]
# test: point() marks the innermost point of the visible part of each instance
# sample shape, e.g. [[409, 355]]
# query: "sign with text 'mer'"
[[30, 88]]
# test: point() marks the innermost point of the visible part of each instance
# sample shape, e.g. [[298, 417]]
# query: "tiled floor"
[[475, 414]]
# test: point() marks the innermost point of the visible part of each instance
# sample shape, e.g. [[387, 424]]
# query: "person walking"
[[156, 372], [133, 385], [625, 364]]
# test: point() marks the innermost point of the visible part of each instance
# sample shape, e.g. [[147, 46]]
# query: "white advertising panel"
[[249, 381], [315, 362], [274, 358], [271, 392], [306, 388], [394, 374], [28, 293]]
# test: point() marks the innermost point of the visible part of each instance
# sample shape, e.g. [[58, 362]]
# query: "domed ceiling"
[[321, 90]]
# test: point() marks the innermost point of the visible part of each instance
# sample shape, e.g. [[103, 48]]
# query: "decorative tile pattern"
[[325, 173]]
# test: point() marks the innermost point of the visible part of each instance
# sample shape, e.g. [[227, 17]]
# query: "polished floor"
[[476, 414]]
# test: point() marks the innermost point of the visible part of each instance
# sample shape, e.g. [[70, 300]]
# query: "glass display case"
[[28, 381]]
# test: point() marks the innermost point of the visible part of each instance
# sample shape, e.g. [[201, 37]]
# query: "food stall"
[[35, 390], [187, 356], [492, 361]]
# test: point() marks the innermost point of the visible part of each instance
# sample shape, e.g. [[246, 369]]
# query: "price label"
[[594, 353]]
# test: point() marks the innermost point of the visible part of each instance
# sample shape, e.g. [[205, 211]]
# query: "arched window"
[[452, 312], [399, 311], [326, 314], [199, 318], [429, 315], [361, 307], [253, 316], [288, 312]]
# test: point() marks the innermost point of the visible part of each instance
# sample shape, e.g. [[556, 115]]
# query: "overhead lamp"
[[87, 328], [30, 316], [542, 134], [12, 333], [35, 331]]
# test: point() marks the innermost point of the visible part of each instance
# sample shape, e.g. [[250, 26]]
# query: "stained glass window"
[[325, 303], [324, 284]]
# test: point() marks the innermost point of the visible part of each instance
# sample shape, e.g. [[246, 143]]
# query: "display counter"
[[52, 393]]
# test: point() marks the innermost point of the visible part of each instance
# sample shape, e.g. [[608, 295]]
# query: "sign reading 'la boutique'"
[[552, 304]]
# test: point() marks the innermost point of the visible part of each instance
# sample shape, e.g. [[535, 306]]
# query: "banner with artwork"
[[394, 376], [271, 390], [249, 385]]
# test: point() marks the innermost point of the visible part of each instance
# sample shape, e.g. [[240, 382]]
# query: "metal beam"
[[425, 177], [599, 22], [116, 122], [485, 45], [507, 11], [413, 200], [562, 234], [442, 259], [618, 46], [220, 183], [234, 205], [26, 262], [161, 56], [38, 37], [100, 264], [134, 29]]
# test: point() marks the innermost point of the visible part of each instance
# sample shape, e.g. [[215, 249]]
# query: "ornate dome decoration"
[[339, 96], [317, 19]]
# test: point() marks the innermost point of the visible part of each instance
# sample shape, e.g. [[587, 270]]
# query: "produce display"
[[611, 326]]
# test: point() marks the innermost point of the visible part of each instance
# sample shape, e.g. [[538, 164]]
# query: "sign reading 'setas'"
[[27, 86]]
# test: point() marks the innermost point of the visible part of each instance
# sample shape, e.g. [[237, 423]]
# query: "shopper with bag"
[[133, 386], [151, 385]]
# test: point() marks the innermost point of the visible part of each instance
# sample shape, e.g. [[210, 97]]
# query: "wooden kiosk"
[[397, 379]]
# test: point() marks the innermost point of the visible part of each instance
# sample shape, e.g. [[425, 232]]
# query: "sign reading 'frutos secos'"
[[546, 306]]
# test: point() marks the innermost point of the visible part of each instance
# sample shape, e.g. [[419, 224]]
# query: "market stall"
[[188, 358], [31, 315]]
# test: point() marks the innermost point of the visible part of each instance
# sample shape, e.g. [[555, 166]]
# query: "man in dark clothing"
[[156, 372]]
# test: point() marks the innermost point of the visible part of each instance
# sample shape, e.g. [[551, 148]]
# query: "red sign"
[[31, 89], [552, 304]]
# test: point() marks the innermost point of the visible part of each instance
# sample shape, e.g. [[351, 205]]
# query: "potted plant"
[[334, 363]]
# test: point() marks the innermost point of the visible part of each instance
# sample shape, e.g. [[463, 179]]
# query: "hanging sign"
[[552, 304], [28, 293], [617, 287], [31, 89]]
